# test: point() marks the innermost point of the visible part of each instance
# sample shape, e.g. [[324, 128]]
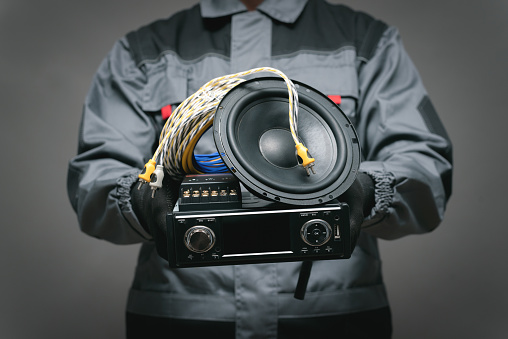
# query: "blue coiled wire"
[[209, 163]]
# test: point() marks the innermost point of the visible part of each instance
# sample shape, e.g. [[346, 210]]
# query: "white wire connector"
[[158, 176]]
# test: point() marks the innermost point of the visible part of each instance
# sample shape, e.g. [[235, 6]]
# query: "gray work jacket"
[[332, 48]]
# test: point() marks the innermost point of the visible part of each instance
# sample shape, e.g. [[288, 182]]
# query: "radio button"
[[199, 239]]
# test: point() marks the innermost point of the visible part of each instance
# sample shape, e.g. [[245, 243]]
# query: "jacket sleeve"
[[116, 139], [405, 146]]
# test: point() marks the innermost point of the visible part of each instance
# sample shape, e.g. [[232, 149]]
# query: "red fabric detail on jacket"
[[166, 111], [335, 98]]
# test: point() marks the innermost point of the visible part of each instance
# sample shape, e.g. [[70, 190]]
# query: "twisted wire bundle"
[[195, 115]]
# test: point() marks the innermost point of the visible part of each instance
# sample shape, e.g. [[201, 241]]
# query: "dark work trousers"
[[362, 325]]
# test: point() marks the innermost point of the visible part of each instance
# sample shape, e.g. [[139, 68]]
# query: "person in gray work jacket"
[[403, 187]]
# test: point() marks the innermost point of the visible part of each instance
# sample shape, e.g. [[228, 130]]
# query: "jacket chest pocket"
[[332, 74], [169, 85], [165, 85], [165, 89]]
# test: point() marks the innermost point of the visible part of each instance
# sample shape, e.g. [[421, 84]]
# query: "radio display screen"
[[256, 233]]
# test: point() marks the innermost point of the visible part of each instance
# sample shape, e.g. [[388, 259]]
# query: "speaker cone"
[[252, 135]]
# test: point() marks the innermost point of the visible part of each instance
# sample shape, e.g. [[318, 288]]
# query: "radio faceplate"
[[258, 232]]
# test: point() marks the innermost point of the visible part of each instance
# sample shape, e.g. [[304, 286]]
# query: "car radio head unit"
[[215, 223]]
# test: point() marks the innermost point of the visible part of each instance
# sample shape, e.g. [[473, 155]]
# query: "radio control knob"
[[316, 232], [199, 239]]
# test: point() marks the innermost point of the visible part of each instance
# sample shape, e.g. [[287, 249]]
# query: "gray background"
[[57, 282]]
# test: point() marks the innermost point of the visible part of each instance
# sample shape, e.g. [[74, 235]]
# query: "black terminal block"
[[202, 192]]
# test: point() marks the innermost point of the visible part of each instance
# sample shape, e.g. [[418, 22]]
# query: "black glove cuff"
[[140, 204], [368, 192]]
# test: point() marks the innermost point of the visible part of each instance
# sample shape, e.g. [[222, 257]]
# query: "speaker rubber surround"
[[251, 133]]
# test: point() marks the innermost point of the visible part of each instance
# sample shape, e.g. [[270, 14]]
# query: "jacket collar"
[[286, 11]]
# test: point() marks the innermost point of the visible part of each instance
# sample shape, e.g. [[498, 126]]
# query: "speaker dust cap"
[[252, 135]]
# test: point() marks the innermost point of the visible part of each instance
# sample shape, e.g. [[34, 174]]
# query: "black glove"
[[152, 211], [360, 198]]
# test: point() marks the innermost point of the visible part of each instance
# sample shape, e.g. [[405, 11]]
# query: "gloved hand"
[[152, 211], [360, 198]]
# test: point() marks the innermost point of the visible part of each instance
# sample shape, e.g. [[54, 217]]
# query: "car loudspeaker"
[[251, 132]]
